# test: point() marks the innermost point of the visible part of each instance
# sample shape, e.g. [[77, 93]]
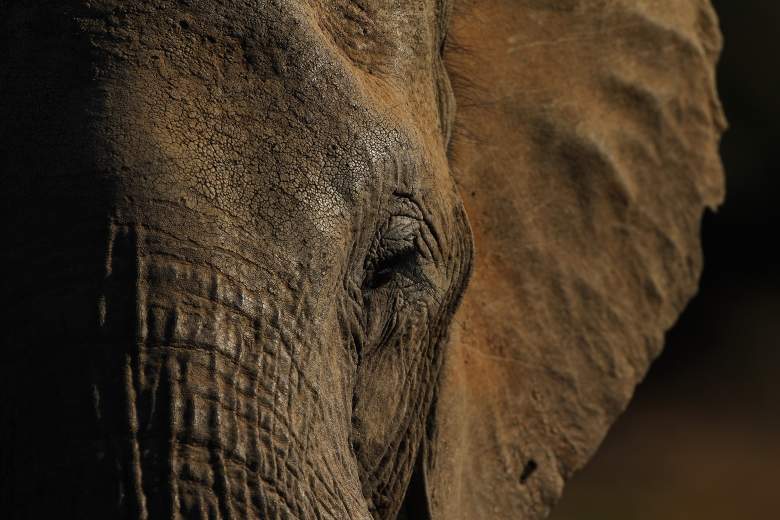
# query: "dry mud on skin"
[[237, 237]]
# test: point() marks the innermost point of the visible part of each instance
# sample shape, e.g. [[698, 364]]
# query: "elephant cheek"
[[394, 394]]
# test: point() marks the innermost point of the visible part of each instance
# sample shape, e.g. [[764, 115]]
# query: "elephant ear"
[[588, 153]]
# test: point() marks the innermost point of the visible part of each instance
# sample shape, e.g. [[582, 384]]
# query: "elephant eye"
[[400, 261], [398, 254]]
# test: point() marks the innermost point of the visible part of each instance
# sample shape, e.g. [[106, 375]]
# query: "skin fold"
[[234, 249]]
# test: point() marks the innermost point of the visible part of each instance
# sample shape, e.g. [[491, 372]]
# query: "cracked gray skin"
[[236, 249]]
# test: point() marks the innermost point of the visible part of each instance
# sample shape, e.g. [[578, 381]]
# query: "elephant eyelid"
[[385, 269], [400, 249]]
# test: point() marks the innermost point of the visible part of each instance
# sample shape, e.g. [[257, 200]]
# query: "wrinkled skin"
[[234, 250]]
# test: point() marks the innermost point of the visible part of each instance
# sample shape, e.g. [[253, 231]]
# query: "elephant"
[[339, 259]]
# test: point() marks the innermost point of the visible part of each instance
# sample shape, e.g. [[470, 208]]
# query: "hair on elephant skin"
[[338, 259]]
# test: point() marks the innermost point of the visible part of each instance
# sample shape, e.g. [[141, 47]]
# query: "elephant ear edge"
[[586, 155]]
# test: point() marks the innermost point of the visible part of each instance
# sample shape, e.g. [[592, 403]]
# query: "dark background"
[[701, 440]]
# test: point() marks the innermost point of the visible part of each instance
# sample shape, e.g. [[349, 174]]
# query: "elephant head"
[[236, 242]]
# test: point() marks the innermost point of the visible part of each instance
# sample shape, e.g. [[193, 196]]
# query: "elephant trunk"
[[162, 386]]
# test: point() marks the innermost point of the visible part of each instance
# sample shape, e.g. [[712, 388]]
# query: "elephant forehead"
[[281, 132], [258, 154], [251, 109]]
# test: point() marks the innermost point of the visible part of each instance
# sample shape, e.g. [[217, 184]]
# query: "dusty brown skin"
[[235, 246]]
